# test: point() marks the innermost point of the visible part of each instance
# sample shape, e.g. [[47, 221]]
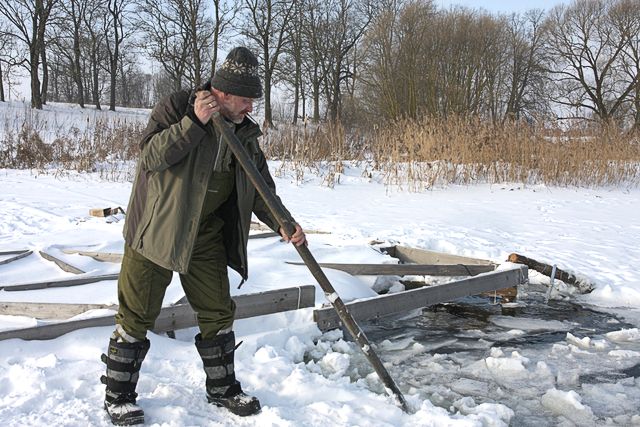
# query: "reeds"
[[412, 155], [103, 143], [417, 155]]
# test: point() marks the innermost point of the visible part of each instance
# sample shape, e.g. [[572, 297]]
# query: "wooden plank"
[[19, 255], [372, 308], [262, 227], [569, 278], [264, 235], [249, 305], [182, 316], [59, 283], [423, 256], [407, 269], [19, 251], [98, 256], [60, 263], [117, 257], [44, 310]]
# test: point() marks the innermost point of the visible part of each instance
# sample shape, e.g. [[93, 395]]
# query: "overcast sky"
[[505, 6]]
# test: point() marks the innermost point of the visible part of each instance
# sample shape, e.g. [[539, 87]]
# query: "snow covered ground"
[[305, 378]]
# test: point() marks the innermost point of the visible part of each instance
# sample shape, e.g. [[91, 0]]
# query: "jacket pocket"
[[148, 218]]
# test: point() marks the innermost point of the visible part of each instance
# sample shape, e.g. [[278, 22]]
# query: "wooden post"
[[546, 269]]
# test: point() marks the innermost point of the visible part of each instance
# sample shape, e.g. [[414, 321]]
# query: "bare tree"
[[395, 81], [314, 33], [527, 67], [291, 69], [346, 22], [28, 19], [625, 15], [163, 39], [70, 28], [587, 59], [115, 31], [266, 25], [200, 36], [179, 37], [9, 57], [224, 13], [421, 60], [95, 47]]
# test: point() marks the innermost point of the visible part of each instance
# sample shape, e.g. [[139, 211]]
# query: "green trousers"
[[142, 285]]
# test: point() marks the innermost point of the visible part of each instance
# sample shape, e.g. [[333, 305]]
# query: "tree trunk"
[[77, 70], [1, 85], [45, 73], [316, 100], [296, 97], [268, 118], [112, 92], [36, 98], [95, 84]]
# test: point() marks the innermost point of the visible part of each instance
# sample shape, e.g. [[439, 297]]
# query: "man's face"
[[234, 107]]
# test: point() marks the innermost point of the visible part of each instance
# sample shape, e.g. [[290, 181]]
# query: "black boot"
[[222, 388], [123, 367]]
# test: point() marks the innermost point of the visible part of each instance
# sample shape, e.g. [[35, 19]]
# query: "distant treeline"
[[356, 62]]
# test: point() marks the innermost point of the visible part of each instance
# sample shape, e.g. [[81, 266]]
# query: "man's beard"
[[235, 118]]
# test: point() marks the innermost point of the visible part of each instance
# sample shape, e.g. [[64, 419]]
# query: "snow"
[[301, 376]]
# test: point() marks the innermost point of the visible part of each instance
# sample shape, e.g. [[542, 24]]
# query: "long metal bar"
[[288, 225]]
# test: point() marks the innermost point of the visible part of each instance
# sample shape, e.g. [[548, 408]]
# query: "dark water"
[[454, 339]]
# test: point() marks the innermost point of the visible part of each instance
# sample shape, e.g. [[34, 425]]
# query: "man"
[[189, 211]]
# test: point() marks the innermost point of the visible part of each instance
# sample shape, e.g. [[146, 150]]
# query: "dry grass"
[[419, 155], [105, 145], [411, 155]]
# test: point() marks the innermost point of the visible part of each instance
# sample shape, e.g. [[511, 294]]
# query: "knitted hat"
[[238, 74]]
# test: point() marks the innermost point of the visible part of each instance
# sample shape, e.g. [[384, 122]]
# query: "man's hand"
[[298, 237], [205, 105]]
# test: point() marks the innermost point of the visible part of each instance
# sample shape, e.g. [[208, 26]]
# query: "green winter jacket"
[[176, 160]]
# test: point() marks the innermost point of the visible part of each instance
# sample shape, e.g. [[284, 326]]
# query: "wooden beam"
[[117, 257], [98, 256], [407, 269], [182, 316], [59, 283], [264, 235], [569, 278], [60, 263], [263, 227], [19, 251], [249, 305], [423, 256], [375, 307], [45, 310], [18, 255]]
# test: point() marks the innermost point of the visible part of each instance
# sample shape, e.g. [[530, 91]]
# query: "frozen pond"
[[555, 363]]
